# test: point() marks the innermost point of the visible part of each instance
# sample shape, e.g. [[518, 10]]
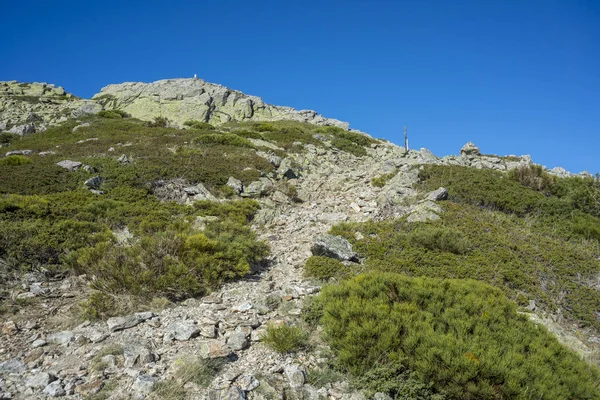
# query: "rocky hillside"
[[286, 259], [27, 108], [182, 100]]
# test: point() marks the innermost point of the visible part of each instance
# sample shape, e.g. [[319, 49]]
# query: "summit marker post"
[[405, 139]]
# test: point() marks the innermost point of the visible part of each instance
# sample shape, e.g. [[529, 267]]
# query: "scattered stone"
[[334, 247], [214, 349], [235, 184], [197, 193], [286, 169], [89, 389], [39, 381], [63, 338], [9, 328], [54, 389], [242, 307], [89, 168], [70, 165], [23, 130], [121, 323], [84, 125], [94, 183], [295, 375], [381, 396], [38, 343], [262, 187], [181, 330], [438, 194], [238, 341], [19, 153], [144, 384], [232, 393], [124, 159], [46, 153], [12, 366], [247, 382]]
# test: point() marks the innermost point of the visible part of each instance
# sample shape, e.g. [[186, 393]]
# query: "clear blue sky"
[[520, 77]]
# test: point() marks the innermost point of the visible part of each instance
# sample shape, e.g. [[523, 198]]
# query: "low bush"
[[439, 238], [265, 127], [381, 180], [228, 139], [158, 122], [323, 267], [8, 138], [113, 114], [205, 126], [285, 338], [462, 336], [534, 177], [348, 146], [15, 160], [172, 264], [198, 371]]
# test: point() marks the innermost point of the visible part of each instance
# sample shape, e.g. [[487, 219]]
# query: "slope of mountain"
[[289, 258]]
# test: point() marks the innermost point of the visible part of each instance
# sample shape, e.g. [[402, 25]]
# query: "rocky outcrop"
[[27, 108], [195, 99]]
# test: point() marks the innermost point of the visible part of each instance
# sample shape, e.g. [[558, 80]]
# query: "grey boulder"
[[334, 247]]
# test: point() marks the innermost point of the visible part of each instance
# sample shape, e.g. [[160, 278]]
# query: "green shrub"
[[8, 138], [381, 180], [348, 146], [265, 127], [228, 139], [323, 267], [285, 338], [395, 380], [172, 264], [534, 177], [200, 371], [113, 114], [439, 238], [463, 336], [15, 160], [199, 125], [515, 254], [247, 134], [158, 122]]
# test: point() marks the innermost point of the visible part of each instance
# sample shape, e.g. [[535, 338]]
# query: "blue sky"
[[515, 77]]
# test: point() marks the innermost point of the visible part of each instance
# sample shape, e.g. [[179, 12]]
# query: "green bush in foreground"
[[285, 338], [323, 267], [15, 160], [463, 336]]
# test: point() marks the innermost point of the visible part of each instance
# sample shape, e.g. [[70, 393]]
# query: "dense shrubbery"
[[571, 204], [518, 255], [323, 267], [167, 258], [463, 336], [439, 239]]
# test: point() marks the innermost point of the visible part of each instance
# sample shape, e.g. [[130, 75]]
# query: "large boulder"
[[469, 149], [334, 247]]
